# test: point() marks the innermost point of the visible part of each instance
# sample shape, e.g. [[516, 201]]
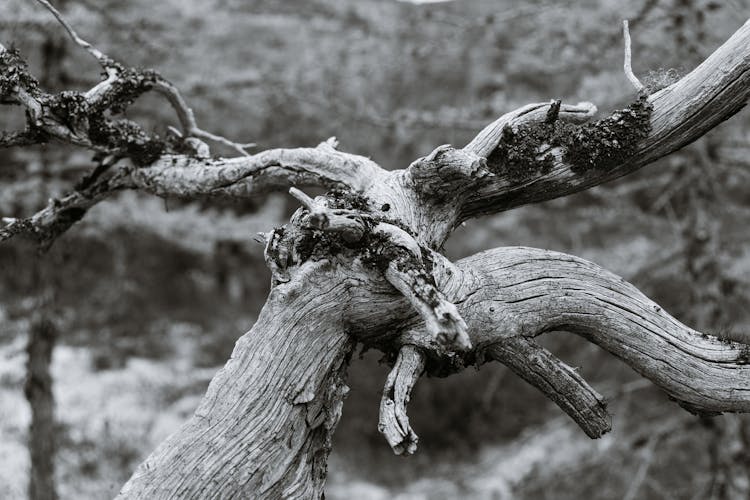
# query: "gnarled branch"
[[525, 292], [558, 381], [394, 422], [184, 176], [681, 113]]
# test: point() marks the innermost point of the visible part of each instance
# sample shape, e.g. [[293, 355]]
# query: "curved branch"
[[188, 177], [680, 114], [627, 65], [394, 422], [524, 292], [271, 170]]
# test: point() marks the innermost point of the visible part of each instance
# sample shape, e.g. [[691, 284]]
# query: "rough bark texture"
[[362, 264], [264, 428], [681, 113], [527, 292]]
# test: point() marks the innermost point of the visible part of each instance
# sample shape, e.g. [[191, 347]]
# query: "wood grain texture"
[[714, 91], [263, 429], [526, 292]]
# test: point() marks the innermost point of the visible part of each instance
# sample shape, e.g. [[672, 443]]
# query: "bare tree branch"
[[121, 86], [559, 382], [264, 427], [525, 292], [184, 176], [627, 66], [531, 160], [680, 113], [394, 422]]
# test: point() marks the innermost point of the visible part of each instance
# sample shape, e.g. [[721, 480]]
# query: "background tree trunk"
[[38, 388]]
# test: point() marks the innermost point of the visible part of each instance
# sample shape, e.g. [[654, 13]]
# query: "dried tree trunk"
[[38, 388], [362, 264], [264, 427]]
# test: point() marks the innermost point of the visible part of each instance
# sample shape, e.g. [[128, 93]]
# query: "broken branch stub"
[[397, 254], [394, 422]]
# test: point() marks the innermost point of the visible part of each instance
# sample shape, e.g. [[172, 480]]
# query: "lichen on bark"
[[14, 73], [527, 150]]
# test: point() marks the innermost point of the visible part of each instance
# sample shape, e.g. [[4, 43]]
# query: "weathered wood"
[[558, 381], [264, 428], [394, 423], [714, 91], [526, 292], [364, 266]]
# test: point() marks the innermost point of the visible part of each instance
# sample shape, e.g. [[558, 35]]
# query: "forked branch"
[[544, 151], [666, 121], [514, 294], [525, 292]]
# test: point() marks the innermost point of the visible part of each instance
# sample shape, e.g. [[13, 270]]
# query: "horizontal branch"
[[525, 292], [271, 170], [183, 176], [560, 161]]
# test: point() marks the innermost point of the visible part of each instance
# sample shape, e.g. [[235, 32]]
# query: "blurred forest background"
[[145, 298]]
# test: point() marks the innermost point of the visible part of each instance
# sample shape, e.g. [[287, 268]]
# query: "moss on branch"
[[527, 150]]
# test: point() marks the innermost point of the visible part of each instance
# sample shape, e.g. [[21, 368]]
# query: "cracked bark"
[[361, 264]]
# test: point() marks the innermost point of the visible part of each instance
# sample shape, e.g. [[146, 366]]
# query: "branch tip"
[[300, 196], [627, 63], [103, 59], [394, 422]]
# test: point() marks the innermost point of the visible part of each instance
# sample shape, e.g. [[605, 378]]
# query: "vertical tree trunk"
[[38, 390], [43, 333]]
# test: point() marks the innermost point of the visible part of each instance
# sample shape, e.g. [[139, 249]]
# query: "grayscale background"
[[151, 295]]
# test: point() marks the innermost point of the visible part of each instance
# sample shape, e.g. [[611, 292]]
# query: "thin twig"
[[627, 65], [103, 59], [184, 113], [187, 118]]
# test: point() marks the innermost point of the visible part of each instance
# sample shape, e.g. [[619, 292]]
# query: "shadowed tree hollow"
[[362, 264]]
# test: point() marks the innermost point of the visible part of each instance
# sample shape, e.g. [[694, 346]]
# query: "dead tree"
[[362, 265]]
